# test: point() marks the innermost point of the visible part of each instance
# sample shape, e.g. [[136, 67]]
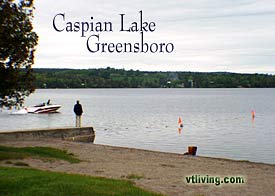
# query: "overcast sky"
[[208, 35]]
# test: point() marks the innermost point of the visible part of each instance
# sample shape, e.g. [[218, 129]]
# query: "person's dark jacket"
[[78, 109]]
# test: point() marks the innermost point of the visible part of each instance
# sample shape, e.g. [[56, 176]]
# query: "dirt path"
[[160, 172]]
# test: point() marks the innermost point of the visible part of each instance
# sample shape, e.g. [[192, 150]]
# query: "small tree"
[[17, 42]]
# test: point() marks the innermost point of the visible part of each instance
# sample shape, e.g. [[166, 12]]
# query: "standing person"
[[78, 112]]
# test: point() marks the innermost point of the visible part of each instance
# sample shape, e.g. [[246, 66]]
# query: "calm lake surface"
[[218, 121]]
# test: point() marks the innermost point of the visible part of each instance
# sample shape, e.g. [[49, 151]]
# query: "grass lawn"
[[31, 182], [36, 152]]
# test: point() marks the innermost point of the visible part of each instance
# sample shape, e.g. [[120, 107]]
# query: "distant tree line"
[[120, 78]]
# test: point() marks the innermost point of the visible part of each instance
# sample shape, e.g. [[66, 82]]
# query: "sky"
[[207, 35]]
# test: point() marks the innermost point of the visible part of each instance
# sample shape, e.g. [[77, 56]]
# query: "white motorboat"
[[43, 108]]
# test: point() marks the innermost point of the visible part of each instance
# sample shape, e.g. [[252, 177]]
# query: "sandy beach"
[[159, 172]]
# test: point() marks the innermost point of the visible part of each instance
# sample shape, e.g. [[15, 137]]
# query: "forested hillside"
[[120, 78]]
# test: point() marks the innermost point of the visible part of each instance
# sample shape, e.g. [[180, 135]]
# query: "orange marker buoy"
[[180, 125], [253, 114], [180, 122]]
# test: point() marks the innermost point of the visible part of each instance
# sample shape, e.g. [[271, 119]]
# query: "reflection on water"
[[218, 121]]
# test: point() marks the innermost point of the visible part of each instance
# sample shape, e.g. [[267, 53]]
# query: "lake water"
[[218, 121]]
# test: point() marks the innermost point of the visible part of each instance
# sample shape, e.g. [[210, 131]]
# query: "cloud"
[[208, 35]]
